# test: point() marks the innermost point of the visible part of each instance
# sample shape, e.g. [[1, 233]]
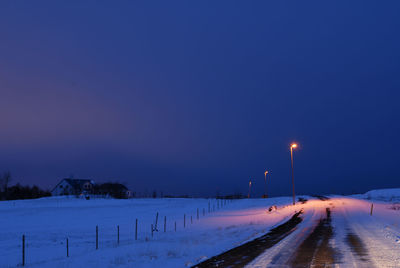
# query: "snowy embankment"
[[47, 223], [386, 195]]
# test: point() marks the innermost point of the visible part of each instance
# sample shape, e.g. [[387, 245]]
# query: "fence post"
[[152, 230], [155, 227], [372, 207], [209, 206], [97, 237], [23, 250], [136, 230], [67, 249], [197, 213], [165, 224], [118, 234]]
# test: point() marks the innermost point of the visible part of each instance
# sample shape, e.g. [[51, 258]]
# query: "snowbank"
[[386, 195]]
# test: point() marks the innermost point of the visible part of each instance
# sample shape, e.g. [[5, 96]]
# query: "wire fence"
[[33, 248]]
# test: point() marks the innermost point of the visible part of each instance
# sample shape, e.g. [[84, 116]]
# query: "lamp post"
[[292, 146], [265, 179], [248, 196]]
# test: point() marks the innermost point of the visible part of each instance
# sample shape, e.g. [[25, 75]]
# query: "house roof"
[[77, 183]]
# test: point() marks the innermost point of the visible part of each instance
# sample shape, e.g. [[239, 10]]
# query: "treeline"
[[112, 189], [18, 191], [25, 192]]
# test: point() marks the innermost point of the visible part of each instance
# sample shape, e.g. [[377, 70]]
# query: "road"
[[336, 232]]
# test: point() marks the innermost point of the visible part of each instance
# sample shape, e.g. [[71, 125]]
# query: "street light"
[[265, 179], [248, 196], [292, 146]]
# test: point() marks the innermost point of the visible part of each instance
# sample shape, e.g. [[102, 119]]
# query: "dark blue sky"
[[199, 96]]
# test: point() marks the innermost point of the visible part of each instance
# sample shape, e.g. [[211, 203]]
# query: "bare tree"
[[5, 179]]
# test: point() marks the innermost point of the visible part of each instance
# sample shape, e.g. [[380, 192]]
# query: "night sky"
[[197, 97]]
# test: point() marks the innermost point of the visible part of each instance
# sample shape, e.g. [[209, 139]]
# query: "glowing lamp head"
[[266, 172], [294, 145]]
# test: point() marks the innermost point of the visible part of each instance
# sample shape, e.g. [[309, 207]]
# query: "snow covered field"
[[48, 222]]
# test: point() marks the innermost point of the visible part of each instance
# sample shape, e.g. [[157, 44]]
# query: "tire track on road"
[[315, 251]]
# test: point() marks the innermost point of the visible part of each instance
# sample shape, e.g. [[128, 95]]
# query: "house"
[[73, 187]]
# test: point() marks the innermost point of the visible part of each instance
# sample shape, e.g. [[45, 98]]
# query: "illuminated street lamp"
[[292, 146], [265, 179], [248, 196]]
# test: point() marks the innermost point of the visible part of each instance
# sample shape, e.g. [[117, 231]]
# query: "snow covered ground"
[[48, 222]]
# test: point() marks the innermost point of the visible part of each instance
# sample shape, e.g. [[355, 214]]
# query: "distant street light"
[[248, 196], [265, 179], [294, 145]]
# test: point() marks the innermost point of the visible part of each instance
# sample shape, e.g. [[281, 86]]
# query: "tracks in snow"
[[310, 246], [328, 239], [316, 250], [331, 233]]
